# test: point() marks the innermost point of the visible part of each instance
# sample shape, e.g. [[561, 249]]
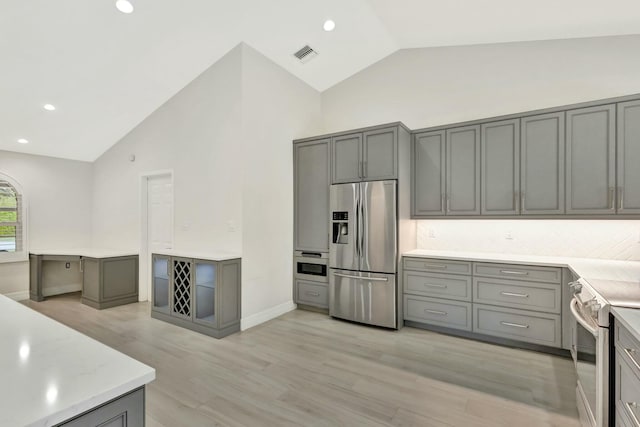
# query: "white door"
[[157, 224]]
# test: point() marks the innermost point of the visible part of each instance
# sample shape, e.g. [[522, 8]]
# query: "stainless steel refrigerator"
[[363, 252]]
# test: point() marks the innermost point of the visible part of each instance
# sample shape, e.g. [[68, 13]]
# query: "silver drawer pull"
[[630, 407], [517, 273], [431, 285], [312, 294], [512, 294], [438, 312], [630, 352], [438, 266], [515, 325]]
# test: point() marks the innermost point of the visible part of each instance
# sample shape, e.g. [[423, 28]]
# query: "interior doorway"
[[156, 231]]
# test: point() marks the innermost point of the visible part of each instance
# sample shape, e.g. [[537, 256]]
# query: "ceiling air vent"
[[305, 54]]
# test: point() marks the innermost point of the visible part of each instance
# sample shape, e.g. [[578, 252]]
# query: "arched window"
[[12, 229]]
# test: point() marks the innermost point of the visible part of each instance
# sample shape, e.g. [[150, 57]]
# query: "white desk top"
[[51, 373], [212, 256], [86, 252]]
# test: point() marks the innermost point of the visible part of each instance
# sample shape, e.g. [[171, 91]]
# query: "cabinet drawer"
[[517, 294], [528, 326], [627, 386], [451, 314], [521, 272], [627, 343], [438, 285], [312, 293], [437, 265]]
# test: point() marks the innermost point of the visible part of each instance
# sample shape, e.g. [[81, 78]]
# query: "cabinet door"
[[591, 160], [181, 288], [428, 173], [542, 165], [346, 158], [229, 293], [204, 292], [500, 152], [160, 283], [629, 157], [311, 187], [380, 159], [463, 171]]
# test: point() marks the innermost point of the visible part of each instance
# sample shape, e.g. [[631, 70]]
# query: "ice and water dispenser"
[[340, 227]]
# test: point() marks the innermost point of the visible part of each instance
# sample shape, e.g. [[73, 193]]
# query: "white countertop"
[[86, 252], [211, 256], [51, 373], [629, 318], [587, 268]]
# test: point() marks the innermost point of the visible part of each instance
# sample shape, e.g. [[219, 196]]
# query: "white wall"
[[277, 108], [434, 86], [197, 135], [613, 239], [59, 208]]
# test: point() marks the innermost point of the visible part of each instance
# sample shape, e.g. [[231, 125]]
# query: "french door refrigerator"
[[363, 252]]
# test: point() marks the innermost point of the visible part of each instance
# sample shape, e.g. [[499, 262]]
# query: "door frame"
[[144, 274]]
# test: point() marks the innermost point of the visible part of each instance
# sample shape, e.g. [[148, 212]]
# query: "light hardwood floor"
[[307, 369]]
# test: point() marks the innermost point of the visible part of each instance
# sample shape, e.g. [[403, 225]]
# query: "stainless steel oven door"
[[591, 360]]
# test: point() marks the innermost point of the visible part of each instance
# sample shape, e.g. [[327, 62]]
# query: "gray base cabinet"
[[627, 378], [109, 282], [513, 303], [197, 294], [124, 411]]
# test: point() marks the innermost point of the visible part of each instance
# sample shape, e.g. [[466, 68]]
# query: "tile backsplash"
[[613, 239]]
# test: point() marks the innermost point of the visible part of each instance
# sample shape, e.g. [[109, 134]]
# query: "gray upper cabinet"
[[542, 164], [428, 162], [346, 158], [590, 162], [500, 153], [628, 200], [311, 187], [368, 156], [463, 171], [380, 152]]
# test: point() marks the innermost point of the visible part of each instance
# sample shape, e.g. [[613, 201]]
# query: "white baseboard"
[[18, 296], [266, 315], [63, 289]]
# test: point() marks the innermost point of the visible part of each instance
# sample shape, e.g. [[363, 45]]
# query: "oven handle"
[[580, 319]]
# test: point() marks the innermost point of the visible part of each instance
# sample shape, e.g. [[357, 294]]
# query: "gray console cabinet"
[[197, 294], [500, 148], [428, 162], [365, 156], [591, 160], [628, 155], [542, 164], [109, 282], [463, 171], [311, 195]]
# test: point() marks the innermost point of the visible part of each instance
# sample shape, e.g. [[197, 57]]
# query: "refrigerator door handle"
[[369, 279], [363, 226], [357, 223]]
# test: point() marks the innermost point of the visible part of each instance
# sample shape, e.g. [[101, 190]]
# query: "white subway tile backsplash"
[[612, 239]]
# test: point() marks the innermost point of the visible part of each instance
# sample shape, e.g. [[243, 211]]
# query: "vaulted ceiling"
[[106, 71]]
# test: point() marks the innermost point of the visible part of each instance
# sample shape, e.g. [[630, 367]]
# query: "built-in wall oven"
[[590, 351], [311, 266]]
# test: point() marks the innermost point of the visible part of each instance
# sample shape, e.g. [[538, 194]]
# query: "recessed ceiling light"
[[49, 107], [124, 6], [329, 25], [23, 141]]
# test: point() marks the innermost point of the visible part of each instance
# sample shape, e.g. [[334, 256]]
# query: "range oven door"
[[591, 361]]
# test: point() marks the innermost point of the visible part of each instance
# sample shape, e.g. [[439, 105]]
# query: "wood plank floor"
[[307, 369]]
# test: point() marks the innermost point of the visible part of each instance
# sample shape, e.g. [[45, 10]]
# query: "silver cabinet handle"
[[372, 279], [620, 198], [517, 273], [438, 266], [512, 294], [522, 208], [431, 285], [168, 275], [312, 294], [515, 325], [630, 352], [365, 169], [81, 266], [448, 203], [630, 407], [438, 312], [359, 168], [611, 198]]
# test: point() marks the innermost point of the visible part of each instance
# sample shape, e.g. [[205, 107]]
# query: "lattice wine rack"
[[182, 288]]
